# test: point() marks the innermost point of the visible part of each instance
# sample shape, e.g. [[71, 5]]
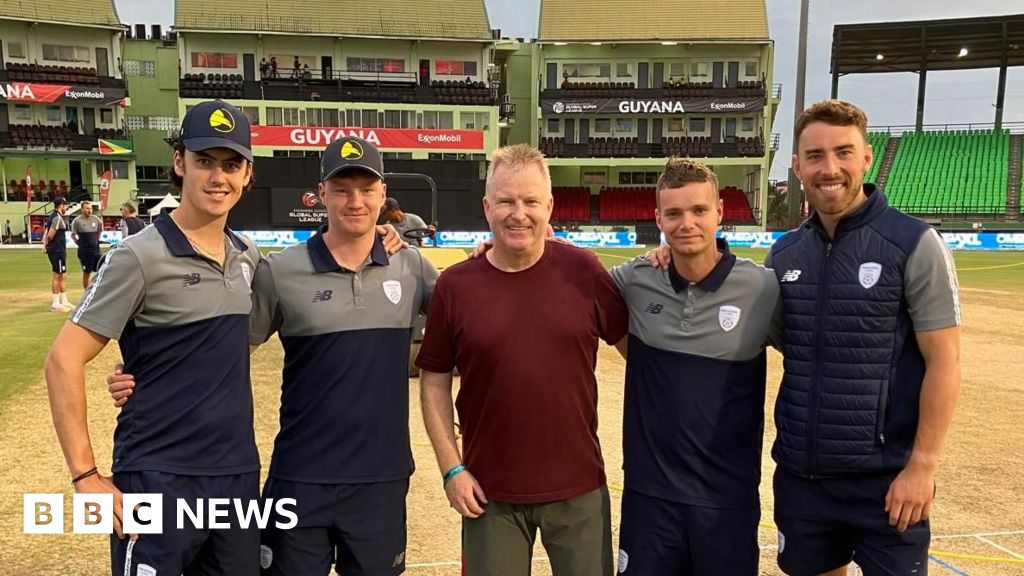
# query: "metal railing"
[[899, 130], [777, 91], [773, 143]]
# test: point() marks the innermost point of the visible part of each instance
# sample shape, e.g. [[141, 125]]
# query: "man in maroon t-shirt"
[[522, 326]]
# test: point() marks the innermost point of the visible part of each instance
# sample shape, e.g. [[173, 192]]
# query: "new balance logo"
[[791, 276], [322, 295], [190, 280], [653, 308]]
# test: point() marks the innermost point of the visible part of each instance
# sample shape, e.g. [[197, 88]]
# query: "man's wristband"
[[453, 472], [84, 475]]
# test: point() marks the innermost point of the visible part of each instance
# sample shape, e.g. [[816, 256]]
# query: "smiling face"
[[518, 206], [831, 161], [353, 200], [212, 180], [689, 217]]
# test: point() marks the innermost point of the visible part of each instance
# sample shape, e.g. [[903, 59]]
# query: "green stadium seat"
[[951, 172]]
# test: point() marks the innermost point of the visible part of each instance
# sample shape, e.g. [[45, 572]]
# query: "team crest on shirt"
[[869, 274], [728, 317], [247, 273], [393, 290], [266, 556]]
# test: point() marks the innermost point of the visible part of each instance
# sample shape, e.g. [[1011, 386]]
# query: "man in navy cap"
[[344, 310], [176, 296]]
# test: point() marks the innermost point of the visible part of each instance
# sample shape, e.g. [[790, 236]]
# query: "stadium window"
[[625, 178], [280, 153], [370, 118], [748, 125], [590, 70], [274, 117], [454, 68], [622, 70], [697, 125], [214, 60], [53, 114], [602, 125], [392, 119], [623, 125], [430, 119], [445, 120], [677, 70], [252, 113], [676, 124], [554, 126], [22, 112], [119, 168], [106, 116], [290, 117], [65, 53], [699, 69], [387, 65], [751, 69], [15, 50], [650, 177], [475, 120]]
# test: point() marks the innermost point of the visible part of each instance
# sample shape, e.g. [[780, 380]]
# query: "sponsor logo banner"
[[655, 107], [955, 240], [384, 138], [27, 92]]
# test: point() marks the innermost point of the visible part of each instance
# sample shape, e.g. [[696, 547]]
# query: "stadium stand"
[[638, 203], [51, 74], [878, 142], [462, 92], [950, 172], [572, 204], [735, 206], [211, 86], [58, 137]]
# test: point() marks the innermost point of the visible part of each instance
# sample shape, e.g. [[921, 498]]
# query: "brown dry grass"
[[979, 480]]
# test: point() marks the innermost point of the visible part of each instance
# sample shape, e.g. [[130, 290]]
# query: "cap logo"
[[351, 151], [221, 120]]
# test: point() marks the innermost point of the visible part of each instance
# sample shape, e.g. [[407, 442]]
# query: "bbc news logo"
[[144, 513]]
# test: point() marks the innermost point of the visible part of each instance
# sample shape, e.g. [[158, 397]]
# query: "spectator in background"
[[402, 221], [264, 68], [130, 222], [85, 231], [7, 232], [273, 66], [565, 81], [296, 68], [306, 74], [55, 247]]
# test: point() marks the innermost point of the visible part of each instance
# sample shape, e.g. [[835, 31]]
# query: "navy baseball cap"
[[350, 153], [58, 201], [216, 124], [391, 204]]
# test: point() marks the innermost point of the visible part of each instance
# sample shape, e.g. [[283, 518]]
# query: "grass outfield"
[[27, 327]]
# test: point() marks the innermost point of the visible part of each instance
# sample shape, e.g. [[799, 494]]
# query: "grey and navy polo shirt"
[[59, 242], [182, 323], [346, 337], [88, 231], [695, 380]]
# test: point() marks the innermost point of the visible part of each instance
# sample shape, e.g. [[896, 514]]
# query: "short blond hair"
[[679, 172], [517, 157]]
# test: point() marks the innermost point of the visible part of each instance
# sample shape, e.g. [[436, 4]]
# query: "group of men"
[[861, 300], [85, 230]]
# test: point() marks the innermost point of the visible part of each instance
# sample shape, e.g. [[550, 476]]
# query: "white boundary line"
[[999, 547]]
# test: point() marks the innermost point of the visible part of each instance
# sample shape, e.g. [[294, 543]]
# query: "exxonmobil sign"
[[384, 138], [66, 93]]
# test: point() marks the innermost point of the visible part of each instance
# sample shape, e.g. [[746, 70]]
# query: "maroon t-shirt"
[[526, 345]]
